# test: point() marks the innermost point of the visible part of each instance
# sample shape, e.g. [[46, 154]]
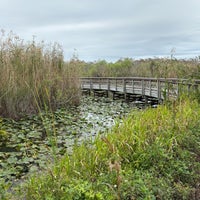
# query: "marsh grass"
[[153, 154], [34, 74]]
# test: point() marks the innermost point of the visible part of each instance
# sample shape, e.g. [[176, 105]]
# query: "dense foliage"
[[153, 154], [158, 68], [34, 75]]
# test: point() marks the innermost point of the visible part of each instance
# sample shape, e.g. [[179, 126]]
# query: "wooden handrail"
[[197, 81], [155, 87]]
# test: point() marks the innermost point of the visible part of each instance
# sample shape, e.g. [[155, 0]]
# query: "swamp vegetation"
[[150, 154], [154, 68], [29, 144], [34, 76], [57, 145]]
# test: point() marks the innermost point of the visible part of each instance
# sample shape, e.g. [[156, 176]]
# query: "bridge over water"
[[134, 88]]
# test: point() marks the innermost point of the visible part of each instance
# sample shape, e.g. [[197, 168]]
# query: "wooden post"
[[91, 86], [158, 89], [124, 86], [82, 84], [150, 88], [99, 83], [133, 85], [108, 85], [143, 88]]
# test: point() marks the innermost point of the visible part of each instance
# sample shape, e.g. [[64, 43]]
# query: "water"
[[28, 147]]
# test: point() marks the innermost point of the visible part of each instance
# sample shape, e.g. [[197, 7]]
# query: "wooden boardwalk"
[[130, 88]]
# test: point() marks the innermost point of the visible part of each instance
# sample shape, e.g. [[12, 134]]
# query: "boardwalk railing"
[[152, 87]]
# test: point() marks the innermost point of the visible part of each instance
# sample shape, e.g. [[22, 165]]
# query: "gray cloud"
[[108, 29]]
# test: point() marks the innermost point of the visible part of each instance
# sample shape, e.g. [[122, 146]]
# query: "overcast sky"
[[108, 29]]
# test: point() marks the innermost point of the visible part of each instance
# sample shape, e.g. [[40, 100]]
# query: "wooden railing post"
[[99, 83], [158, 89], [150, 88], [108, 84], [143, 88], [124, 86], [91, 84], [82, 84]]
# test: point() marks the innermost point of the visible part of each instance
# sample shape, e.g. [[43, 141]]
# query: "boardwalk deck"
[[149, 87]]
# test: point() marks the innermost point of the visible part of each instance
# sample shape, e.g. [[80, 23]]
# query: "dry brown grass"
[[34, 75]]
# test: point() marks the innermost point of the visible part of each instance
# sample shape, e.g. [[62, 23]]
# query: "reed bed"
[[33, 75]]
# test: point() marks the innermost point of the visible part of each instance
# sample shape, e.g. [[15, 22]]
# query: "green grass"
[[153, 154]]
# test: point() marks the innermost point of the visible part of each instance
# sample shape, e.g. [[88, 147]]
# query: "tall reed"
[[33, 74]]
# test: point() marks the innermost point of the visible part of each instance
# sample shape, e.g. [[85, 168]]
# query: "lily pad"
[[34, 141]]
